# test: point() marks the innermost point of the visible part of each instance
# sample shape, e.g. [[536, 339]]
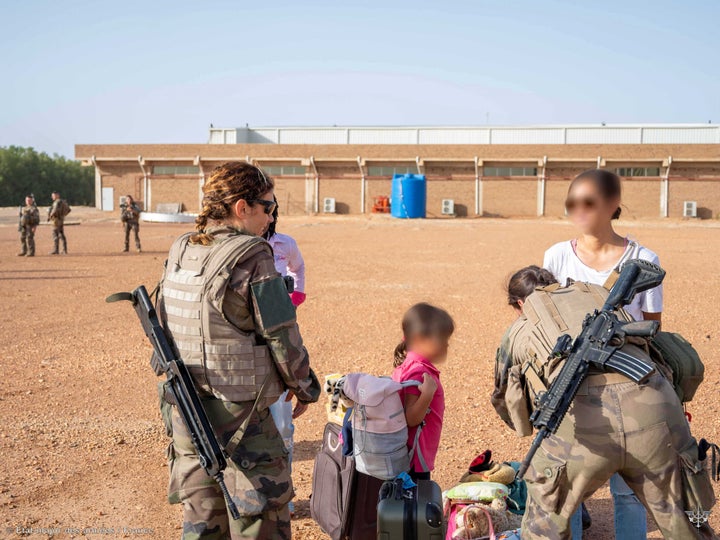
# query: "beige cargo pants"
[[639, 431]]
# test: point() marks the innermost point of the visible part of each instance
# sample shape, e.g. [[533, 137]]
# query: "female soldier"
[[613, 426], [232, 322], [593, 203]]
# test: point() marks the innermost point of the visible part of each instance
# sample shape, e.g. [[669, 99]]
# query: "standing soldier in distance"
[[242, 353], [29, 220], [130, 217], [58, 211]]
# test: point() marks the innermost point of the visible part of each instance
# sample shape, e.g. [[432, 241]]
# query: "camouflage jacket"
[[30, 216], [58, 210], [510, 394], [130, 212]]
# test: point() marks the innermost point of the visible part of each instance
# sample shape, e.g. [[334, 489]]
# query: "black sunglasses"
[[269, 206]]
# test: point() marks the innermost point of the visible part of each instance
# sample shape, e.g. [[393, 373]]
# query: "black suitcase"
[[410, 514], [343, 501]]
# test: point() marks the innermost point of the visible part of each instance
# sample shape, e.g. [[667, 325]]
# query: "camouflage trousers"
[[58, 235], [257, 477], [27, 240], [132, 226], [638, 431]]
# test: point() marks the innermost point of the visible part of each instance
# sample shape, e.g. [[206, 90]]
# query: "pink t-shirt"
[[412, 369]]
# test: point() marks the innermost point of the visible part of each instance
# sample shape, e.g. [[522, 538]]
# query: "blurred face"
[[55, 196], [434, 348], [28, 201], [587, 208], [255, 216]]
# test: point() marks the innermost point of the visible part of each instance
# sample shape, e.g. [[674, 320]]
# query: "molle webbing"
[[553, 311], [223, 360]]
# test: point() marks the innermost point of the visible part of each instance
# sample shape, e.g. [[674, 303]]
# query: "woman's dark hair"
[[228, 183], [423, 320], [523, 282], [606, 182], [272, 228]]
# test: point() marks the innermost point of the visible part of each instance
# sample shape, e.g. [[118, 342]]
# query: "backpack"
[[63, 209], [379, 428], [553, 311], [683, 361]]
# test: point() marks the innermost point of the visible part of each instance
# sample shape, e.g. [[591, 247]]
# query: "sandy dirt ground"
[[80, 433]]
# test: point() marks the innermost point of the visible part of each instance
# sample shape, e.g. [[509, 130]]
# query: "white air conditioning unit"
[[690, 209], [448, 207], [328, 205]]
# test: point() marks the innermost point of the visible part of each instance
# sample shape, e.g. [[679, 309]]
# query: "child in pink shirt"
[[426, 335]]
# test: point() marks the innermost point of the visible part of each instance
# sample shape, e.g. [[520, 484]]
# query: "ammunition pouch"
[[698, 494]]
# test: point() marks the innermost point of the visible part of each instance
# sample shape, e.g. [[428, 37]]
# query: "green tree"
[[24, 171]]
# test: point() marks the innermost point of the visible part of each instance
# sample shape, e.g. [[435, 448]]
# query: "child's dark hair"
[[606, 182], [424, 320], [523, 282]]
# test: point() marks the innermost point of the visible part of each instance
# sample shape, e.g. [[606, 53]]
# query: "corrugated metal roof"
[[552, 134]]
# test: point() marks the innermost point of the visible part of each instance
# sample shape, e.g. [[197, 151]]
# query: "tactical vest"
[[551, 312], [224, 361]]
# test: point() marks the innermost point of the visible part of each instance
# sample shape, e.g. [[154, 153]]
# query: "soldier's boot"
[[64, 243], [55, 250], [126, 249], [22, 254], [139, 249]]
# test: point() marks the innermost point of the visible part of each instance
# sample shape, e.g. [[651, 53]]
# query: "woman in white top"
[[288, 262], [593, 203]]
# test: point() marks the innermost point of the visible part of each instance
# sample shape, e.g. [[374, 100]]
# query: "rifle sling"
[[234, 441]]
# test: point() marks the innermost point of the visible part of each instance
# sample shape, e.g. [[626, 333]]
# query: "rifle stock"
[[210, 453]]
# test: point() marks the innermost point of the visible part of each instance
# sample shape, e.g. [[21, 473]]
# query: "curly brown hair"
[[228, 183]]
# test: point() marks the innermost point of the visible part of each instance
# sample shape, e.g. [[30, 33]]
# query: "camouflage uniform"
[[55, 214], [614, 425], [130, 217], [258, 473], [29, 220]]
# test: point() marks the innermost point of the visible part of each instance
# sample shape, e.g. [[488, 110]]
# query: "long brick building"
[[668, 170]]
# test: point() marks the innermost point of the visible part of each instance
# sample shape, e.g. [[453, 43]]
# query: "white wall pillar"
[[541, 187], [478, 187], [98, 184], [665, 190]]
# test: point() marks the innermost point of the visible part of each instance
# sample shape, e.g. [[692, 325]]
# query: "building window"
[[510, 171], [284, 170], [389, 171], [629, 172], [174, 170]]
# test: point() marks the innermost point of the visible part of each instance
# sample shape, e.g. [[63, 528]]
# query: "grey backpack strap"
[[416, 443]]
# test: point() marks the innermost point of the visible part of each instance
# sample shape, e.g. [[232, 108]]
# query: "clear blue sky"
[[161, 71]]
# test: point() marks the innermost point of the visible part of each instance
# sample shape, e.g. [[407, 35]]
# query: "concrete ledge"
[[157, 217]]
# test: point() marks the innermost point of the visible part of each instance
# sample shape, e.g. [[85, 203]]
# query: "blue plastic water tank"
[[409, 196]]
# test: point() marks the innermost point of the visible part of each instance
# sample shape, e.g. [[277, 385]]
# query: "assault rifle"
[[210, 453], [598, 346]]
